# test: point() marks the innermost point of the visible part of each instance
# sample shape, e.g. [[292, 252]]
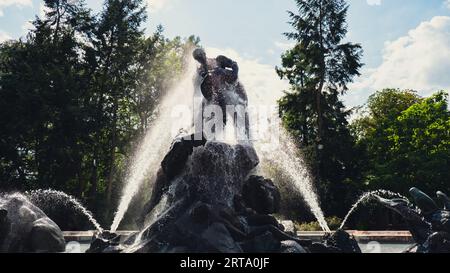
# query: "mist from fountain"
[[158, 139], [52, 197], [154, 215], [284, 158], [277, 149], [366, 197]]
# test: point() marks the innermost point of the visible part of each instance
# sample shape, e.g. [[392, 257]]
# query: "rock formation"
[[25, 228], [207, 200]]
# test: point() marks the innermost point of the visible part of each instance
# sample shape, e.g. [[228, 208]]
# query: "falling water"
[[158, 139], [49, 197], [154, 215], [293, 167], [367, 197], [276, 147]]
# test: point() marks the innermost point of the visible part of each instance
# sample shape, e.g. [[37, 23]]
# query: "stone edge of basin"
[[360, 236], [366, 236], [86, 236]]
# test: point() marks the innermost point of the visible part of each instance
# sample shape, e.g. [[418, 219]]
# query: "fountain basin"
[[369, 241]]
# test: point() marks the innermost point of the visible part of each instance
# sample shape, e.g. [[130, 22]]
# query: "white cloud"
[[420, 61], [19, 3], [447, 3], [27, 26], [374, 2], [260, 80], [4, 37], [284, 45], [156, 5], [43, 10]]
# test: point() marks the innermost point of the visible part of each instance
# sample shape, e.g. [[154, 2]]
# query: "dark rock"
[[164, 234], [212, 173], [161, 184], [438, 242], [105, 242], [175, 250], [323, 248], [44, 236], [194, 229], [219, 240], [337, 242], [261, 195], [175, 160], [262, 220], [291, 247], [440, 221], [218, 170], [26, 228], [276, 232], [172, 166], [5, 226], [246, 157], [264, 243], [204, 212]]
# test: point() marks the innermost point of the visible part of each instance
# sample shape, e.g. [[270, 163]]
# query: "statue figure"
[[219, 85], [429, 225]]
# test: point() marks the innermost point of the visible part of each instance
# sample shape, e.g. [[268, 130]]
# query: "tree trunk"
[[322, 81], [113, 145], [319, 98], [94, 184]]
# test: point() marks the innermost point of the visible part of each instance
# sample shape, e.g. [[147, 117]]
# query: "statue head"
[[199, 55], [443, 199], [423, 201]]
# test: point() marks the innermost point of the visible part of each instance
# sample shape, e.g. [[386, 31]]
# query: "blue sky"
[[406, 42]]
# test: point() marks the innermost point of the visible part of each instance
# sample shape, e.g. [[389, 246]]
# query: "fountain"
[[213, 205], [51, 198], [212, 195], [156, 141], [205, 198], [365, 197]]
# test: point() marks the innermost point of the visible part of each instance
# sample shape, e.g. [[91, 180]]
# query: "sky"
[[406, 42]]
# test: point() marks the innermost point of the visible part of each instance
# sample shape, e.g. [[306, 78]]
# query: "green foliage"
[[407, 140], [77, 95], [319, 67], [333, 222]]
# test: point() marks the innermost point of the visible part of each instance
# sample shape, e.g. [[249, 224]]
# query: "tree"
[[382, 108], [77, 94], [159, 61], [116, 44], [407, 140], [41, 85], [319, 67]]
